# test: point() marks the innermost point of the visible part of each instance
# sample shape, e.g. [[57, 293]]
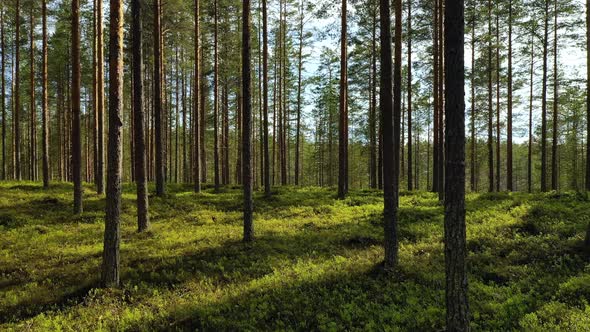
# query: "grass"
[[313, 266]]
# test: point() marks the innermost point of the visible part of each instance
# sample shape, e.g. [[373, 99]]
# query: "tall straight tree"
[[215, 98], [298, 125], [112, 233], [247, 123], [75, 104], [33, 106], [509, 162], [265, 97], [143, 221], [530, 142], [455, 230], [588, 102], [343, 119], [45, 110], [554, 142], [544, 99], [196, 104], [158, 121], [409, 34], [99, 120], [16, 96], [390, 191], [3, 91], [490, 106]]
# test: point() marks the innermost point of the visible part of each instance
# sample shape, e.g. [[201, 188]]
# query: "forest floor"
[[314, 264]]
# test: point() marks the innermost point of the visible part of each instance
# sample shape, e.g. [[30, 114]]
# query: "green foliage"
[[315, 264]]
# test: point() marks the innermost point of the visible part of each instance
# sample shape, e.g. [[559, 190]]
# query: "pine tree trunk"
[[266, 172], [544, 102], [509, 162], [587, 186], [298, 129], [33, 107], [112, 234], [247, 124], [100, 99], [3, 101], [409, 34], [16, 93], [554, 142], [196, 102], [390, 190], [490, 106], [143, 222], [436, 78], [75, 98], [472, 180], [455, 231], [343, 112], [45, 134], [215, 99], [158, 111], [373, 105], [530, 145], [498, 133]]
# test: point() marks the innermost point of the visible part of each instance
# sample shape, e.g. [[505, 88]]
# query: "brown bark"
[[100, 100], [509, 155], [265, 98], [75, 98], [215, 99], [554, 142], [158, 111], [45, 110], [112, 234], [3, 101], [196, 126], [247, 123], [343, 112], [409, 33], [16, 93], [544, 101], [457, 316], [33, 106], [490, 107]]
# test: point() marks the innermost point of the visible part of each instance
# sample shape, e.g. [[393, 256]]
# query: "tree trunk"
[[373, 106], [3, 102], [100, 99], [498, 134], [196, 102], [33, 107], [343, 119], [298, 129], [112, 234], [587, 186], [490, 108], [509, 162], [215, 99], [76, 139], [530, 145], [544, 102], [455, 230], [409, 33], [554, 142], [266, 172], [16, 93], [143, 222], [160, 172], [472, 180], [390, 190], [247, 124], [436, 78], [45, 134]]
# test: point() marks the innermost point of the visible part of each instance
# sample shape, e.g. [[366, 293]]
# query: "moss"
[[315, 264]]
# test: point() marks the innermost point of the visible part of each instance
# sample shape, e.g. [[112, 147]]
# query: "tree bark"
[[455, 230], [100, 99], [196, 102], [390, 191], [409, 34], [247, 124], [215, 99], [267, 178], [544, 102], [45, 129], [343, 118], [490, 106], [33, 106], [76, 139], [159, 130], [143, 222], [16, 93], [3, 102], [298, 129], [554, 142], [509, 162], [472, 181], [112, 234], [531, 96]]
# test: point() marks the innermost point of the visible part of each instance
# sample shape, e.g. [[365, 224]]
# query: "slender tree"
[[75, 104], [143, 221], [215, 97], [3, 101], [509, 162], [158, 110], [455, 230], [530, 143], [99, 121], [196, 104], [409, 34], [265, 97], [554, 142], [112, 233], [343, 118], [16, 96], [298, 125], [33, 106], [490, 106], [45, 110], [544, 100], [247, 123], [390, 192], [588, 109]]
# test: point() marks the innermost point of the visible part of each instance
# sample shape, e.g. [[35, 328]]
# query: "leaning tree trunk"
[[247, 124], [76, 140], [455, 230], [143, 222], [112, 234]]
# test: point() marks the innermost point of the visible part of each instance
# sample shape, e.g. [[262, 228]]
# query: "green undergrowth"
[[315, 263]]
